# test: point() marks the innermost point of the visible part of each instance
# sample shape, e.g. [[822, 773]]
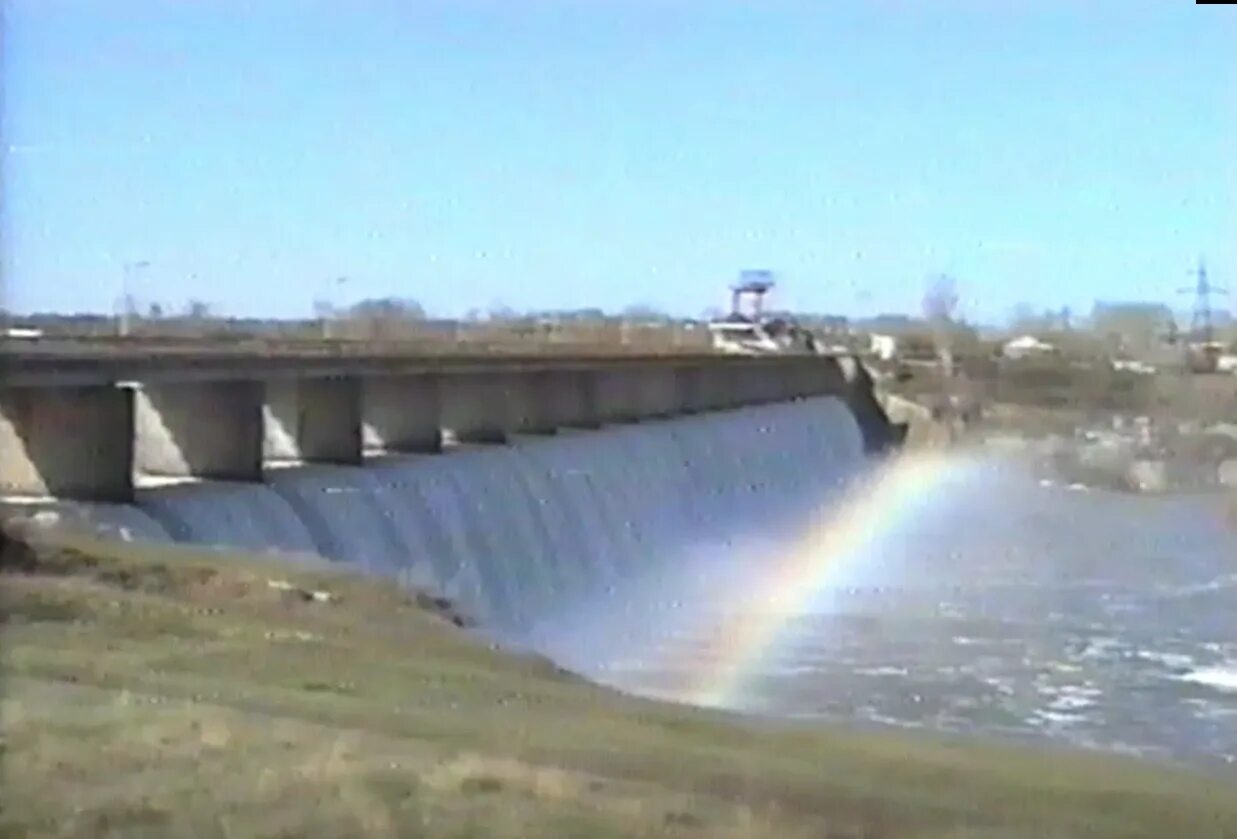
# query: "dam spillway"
[[532, 536]]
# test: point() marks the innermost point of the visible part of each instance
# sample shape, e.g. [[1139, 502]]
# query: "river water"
[[1016, 608]]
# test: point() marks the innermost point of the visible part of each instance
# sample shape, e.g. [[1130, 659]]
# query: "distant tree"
[[385, 317], [1023, 318], [940, 304], [388, 308], [1026, 320], [155, 312], [586, 315], [198, 310], [940, 301], [1133, 327], [644, 313], [501, 312]]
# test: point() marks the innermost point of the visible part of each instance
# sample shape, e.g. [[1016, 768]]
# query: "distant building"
[[1134, 328], [1027, 346], [1227, 363], [741, 335], [1128, 366], [884, 347]]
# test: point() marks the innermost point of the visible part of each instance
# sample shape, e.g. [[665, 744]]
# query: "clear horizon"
[[559, 155]]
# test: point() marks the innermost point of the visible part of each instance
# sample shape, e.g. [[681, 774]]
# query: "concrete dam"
[[566, 506]]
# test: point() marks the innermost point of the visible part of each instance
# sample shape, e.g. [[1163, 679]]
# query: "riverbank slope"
[[156, 691]]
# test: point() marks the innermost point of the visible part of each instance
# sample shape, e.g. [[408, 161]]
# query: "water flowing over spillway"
[[540, 539]]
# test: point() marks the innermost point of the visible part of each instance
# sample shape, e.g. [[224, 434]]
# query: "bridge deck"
[[61, 363]]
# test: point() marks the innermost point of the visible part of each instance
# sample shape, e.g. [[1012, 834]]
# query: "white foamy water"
[[1074, 698], [1172, 660], [1220, 678], [882, 671]]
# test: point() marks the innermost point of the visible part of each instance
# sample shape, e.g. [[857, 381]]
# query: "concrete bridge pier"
[[723, 389], [716, 389], [829, 379], [617, 396], [401, 413], [689, 384], [581, 401], [772, 386], [656, 392], [808, 378], [750, 386], [528, 402], [207, 430], [793, 384], [563, 399], [72, 442], [314, 420], [474, 407]]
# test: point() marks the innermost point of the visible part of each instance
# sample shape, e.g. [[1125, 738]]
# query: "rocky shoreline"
[[1130, 454], [1114, 451]]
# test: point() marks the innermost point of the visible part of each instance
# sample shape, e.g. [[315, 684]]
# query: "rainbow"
[[834, 545]]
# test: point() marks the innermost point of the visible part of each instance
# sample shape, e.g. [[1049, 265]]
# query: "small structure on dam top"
[[750, 332], [94, 428]]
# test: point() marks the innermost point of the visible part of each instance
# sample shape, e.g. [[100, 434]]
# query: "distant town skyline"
[[559, 155]]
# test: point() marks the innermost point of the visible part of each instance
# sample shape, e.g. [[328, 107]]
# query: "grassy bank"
[[167, 692]]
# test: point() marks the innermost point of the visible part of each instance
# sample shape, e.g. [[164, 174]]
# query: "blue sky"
[[570, 153]]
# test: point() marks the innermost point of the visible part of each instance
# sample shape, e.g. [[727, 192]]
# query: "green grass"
[[169, 692]]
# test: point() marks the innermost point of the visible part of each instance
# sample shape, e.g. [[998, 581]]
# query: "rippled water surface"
[[1022, 609]]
